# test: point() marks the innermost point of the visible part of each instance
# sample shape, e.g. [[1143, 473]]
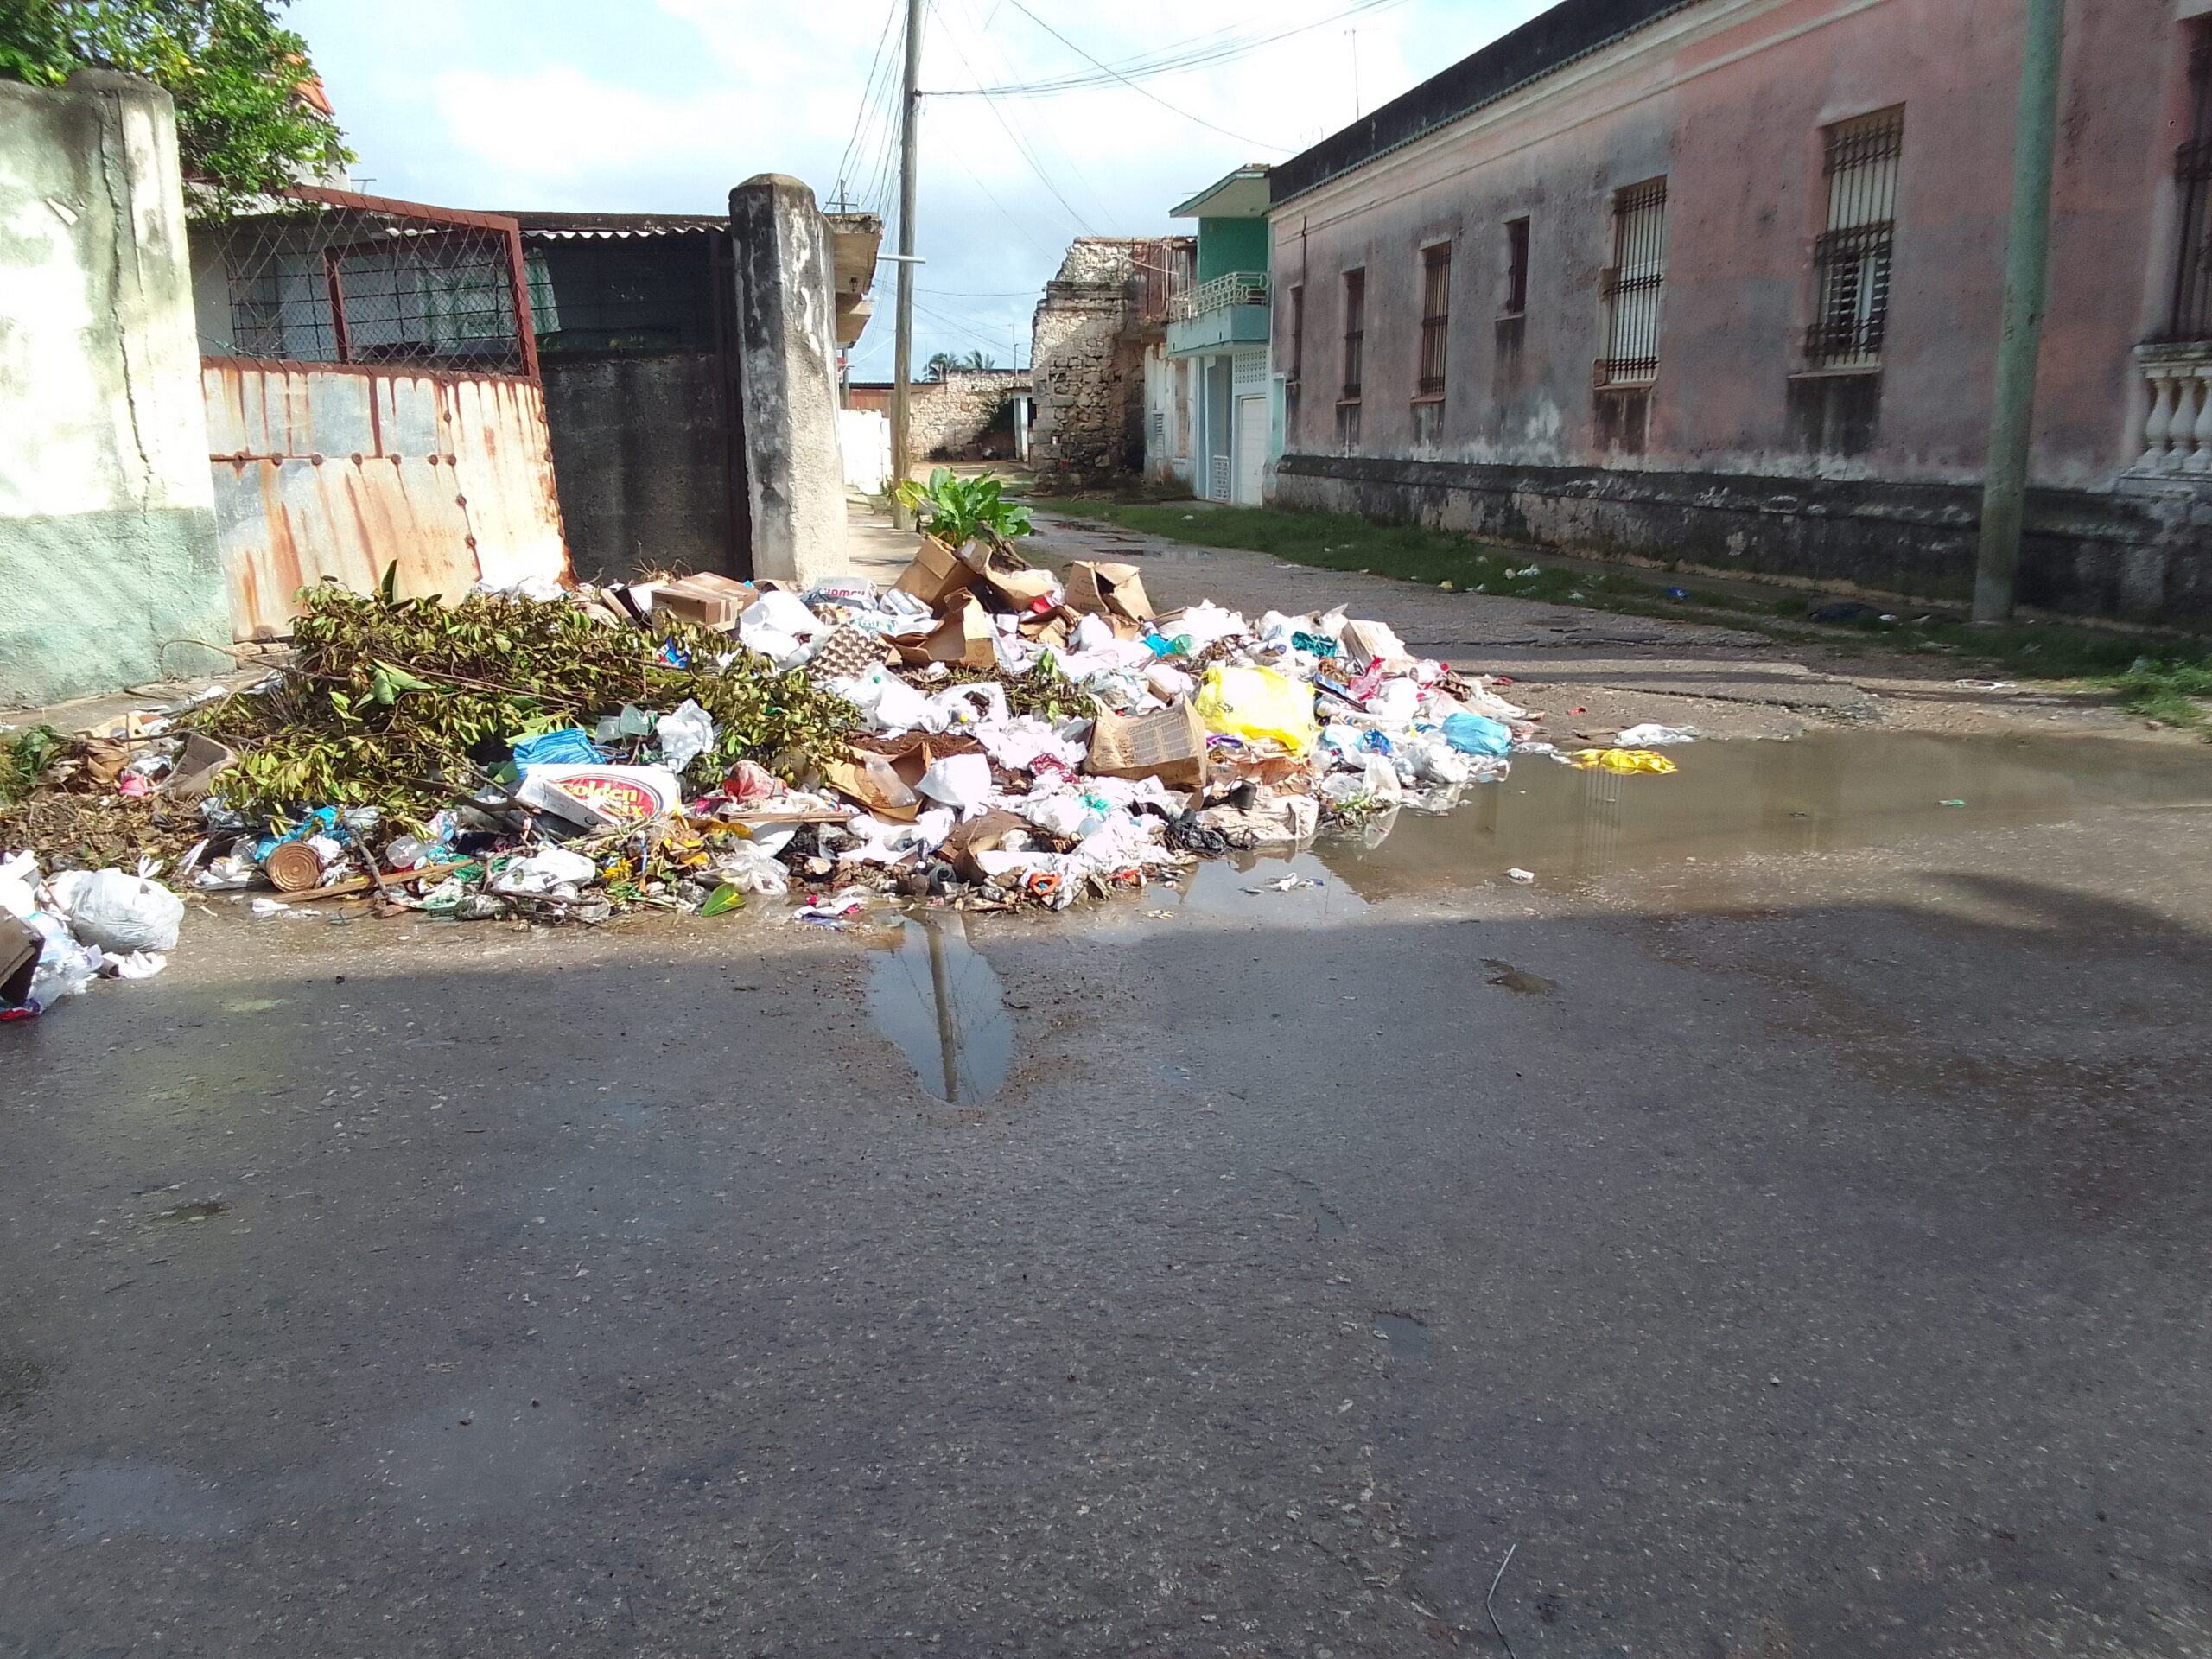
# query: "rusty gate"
[[373, 400]]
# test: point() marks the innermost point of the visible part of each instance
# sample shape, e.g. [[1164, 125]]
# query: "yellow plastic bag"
[[1623, 760], [1258, 703]]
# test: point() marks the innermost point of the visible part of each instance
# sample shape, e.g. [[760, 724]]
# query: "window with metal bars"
[[1435, 317], [2192, 317], [1634, 285], [1355, 331], [1850, 261], [1517, 268], [1297, 332]]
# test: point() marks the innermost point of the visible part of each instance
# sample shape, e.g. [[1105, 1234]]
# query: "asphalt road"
[[1817, 1269]]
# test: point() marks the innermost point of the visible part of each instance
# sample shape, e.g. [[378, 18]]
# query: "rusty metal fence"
[[331, 277], [373, 400]]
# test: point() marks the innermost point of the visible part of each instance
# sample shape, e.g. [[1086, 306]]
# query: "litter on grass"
[[983, 735]]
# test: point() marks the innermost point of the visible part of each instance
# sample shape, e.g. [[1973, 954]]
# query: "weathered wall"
[[1229, 245], [642, 461], [787, 355], [1727, 99], [107, 531], [1087, 365], [961, 417]]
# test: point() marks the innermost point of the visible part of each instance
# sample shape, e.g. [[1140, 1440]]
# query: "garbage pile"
[[983, 734]]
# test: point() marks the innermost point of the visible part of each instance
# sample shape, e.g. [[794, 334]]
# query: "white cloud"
[[539, 104]]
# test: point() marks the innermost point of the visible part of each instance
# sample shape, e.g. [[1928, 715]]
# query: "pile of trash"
[[983, 734]]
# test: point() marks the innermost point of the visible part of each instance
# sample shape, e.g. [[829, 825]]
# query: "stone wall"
[[961, 417], [107, 526], [641, 459], [1087, 363]]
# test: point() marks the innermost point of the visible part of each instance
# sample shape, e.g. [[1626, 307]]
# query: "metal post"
[[902, 371], [2027, 262]]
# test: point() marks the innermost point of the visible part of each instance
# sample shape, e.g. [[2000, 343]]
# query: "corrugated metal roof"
[[613, 226]]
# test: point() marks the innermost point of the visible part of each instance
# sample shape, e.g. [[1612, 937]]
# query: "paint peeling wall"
[[335, 471], [1727, 100], [108, 564]]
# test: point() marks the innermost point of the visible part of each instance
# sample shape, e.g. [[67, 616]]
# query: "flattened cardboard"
[[1169, 745], [1109, 590], [20, 945], [935, 574], [965, 636]]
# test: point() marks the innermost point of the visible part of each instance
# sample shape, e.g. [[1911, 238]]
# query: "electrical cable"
[[1141, 90], [1021, 149], [1199, 52], [867, 91]]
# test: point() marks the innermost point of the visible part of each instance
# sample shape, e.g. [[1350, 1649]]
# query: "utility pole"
[[902, 371], [2027, 265]]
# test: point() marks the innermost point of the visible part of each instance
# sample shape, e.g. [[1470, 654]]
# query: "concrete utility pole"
[[2027, 268], [902, 371]]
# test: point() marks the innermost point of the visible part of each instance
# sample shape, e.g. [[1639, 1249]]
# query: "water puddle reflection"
[[935, 997], [1824, 792]]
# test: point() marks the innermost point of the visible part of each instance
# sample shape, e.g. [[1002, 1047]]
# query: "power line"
[[1198, 120], [1042, 132], [868, 90], [1198, 52], [1021, 149]]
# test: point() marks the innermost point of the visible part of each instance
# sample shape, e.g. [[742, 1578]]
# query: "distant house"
[[1217, 378], [1719, 283]]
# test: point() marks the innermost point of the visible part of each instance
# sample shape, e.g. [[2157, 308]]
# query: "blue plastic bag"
[[1477, 735], [567, 747]]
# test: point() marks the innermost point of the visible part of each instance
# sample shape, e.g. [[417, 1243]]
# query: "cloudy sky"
[[624, 106]]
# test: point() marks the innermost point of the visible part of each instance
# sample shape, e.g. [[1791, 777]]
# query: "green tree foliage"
[[244, 125]]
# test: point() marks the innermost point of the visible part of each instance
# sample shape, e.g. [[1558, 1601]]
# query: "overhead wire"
[[875, 67], [1021, 149], [1143, 91], [1040, 132], [1198, 52]]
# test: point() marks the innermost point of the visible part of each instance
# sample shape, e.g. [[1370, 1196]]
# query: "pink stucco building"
[[1718, 282]]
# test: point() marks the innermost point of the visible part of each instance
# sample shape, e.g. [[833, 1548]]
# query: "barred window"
[[1435, 317], [1355, 330], [1635, 285], [1297, 332], [1850, 261], [1517, 268], [2192, 318]]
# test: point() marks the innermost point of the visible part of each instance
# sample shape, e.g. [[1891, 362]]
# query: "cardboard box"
[[965, 636], [1008, 576], [1109, 590], [935, 574], [711, 601], [1169, 745]]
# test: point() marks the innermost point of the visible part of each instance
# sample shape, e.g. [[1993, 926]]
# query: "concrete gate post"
[[787, 379]]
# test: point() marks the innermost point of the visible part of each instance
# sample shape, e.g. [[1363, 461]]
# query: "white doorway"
[[1251, 449]]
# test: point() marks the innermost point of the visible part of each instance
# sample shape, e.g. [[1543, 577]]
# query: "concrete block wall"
[[108, 561], [641, 461]]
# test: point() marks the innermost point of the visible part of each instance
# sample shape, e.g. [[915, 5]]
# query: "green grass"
[[2159, 676]]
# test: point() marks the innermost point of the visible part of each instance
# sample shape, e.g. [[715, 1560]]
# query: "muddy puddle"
[[936, 997], [1827, 791]]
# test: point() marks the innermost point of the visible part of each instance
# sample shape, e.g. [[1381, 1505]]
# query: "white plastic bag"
[[959, 781], [547, 870], [686, 732], [117, 910]]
